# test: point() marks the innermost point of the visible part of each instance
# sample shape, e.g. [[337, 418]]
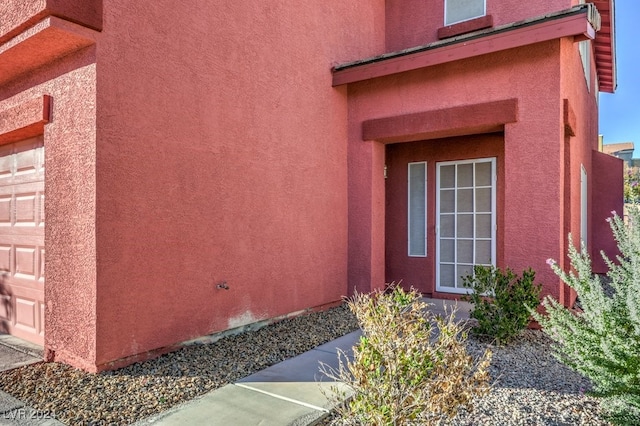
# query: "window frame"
[[455, 289], [409, 223], [446, 3], [584, 206]]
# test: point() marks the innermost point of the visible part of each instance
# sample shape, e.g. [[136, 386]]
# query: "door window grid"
[[465, 220]]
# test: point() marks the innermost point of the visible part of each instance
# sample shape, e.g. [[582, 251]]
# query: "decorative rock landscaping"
[[531, 387], [130, 394]]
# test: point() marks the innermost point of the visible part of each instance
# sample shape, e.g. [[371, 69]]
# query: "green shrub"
[[409, 367], [501, 301], [603, 342]]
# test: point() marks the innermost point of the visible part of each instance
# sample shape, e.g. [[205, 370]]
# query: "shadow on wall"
[[6, 308]]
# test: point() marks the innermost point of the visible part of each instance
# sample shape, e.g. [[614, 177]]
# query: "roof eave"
[[573, 22], [605, 47]]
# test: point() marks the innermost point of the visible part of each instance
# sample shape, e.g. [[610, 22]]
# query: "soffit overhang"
[[581, 22]]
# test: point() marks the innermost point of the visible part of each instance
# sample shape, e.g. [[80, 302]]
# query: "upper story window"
[[584, 47], [585, 55], [463, 10]]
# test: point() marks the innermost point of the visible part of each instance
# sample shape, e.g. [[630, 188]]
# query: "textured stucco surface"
[[25, 120], [531, 223], [69, 138], [195, 147], [221, 156], [412, 23], [18, 15], [41, 44], [577, 151]]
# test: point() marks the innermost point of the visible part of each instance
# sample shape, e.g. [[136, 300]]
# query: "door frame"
[[494, 180]]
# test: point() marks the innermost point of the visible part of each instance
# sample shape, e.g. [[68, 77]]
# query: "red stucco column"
[[366, 213], [533, 206]]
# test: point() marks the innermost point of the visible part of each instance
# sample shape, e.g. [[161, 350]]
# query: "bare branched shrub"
[[410, 367]]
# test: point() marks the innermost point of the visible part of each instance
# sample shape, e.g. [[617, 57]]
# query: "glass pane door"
[[465, 220]]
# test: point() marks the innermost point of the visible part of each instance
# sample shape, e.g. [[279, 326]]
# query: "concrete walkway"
[[287, 393], [293, 392]]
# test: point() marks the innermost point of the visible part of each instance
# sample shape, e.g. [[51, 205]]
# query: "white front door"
[[465, 220]]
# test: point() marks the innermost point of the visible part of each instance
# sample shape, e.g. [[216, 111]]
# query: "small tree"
[[603, 342], [409, 367]]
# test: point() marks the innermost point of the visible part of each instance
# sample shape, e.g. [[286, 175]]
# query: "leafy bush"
[[409, 367], [501, 301], [603, 342], [631, 186]]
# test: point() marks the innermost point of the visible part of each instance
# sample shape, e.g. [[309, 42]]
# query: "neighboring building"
[[213, 164], [622, 150]]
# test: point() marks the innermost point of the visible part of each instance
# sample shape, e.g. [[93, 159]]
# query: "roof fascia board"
[[575, 24]]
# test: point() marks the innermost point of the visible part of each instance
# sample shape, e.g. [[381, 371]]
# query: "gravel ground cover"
[[132, 393], [530, 386]]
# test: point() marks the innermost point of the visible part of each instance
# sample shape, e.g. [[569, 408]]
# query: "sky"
[[620, 112]]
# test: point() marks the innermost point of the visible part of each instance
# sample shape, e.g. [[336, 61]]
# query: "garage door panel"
[[26, 262], [26, 162], [41, 321], [5, 307], [42, 210], [41, 266], [5, 210], [23, 285], [16, 235], [21, 180], [22, 162], [23, 186], [5, 166], [26, 208], [26, 311], [5, 259], [22, 239]]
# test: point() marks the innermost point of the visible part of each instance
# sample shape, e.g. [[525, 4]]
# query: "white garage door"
[[22, 239]]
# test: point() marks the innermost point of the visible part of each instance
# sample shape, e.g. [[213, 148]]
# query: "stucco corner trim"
[[463, 120], [568, 118], [25, 120]]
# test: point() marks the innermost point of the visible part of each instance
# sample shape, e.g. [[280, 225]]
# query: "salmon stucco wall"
[[19, 15], [531, 191], [412, 23], [607, 199], [580, 103], [69, 141], [221, 162]]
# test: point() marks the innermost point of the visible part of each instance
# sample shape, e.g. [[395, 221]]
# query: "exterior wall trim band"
[[25, 120], [571, 23], [484, 117]]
